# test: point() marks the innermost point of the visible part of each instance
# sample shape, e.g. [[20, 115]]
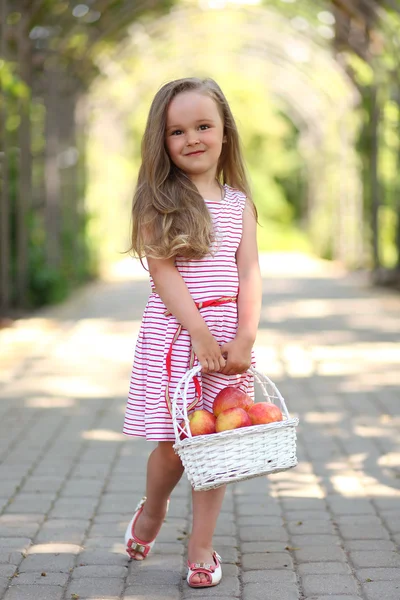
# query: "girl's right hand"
[[208, 352]]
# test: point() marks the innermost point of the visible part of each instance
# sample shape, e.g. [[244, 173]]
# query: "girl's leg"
[[164, 470], [206, 509]]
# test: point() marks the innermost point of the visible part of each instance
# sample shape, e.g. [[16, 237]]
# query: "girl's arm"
[[238, 351], [175, 295]]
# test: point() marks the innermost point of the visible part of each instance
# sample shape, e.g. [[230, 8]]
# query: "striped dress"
[[209, 278]]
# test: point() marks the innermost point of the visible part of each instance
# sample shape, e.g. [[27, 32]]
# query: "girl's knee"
[[168, 452]]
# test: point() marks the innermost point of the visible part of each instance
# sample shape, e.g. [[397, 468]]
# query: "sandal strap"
[[202, 567], [140, 503], [206, 566], [133, 543], [141, 548]]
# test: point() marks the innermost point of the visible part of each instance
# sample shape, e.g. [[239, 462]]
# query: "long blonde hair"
[[169, 216]]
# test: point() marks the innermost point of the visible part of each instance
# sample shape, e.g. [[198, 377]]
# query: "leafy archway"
[[265, 65], [49, 53]]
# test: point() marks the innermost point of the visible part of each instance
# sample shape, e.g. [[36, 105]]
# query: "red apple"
[[231, 397], [233, 418], [264, 412], [201, 422]]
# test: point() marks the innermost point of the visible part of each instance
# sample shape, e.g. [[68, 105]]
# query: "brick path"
[[68, 479]]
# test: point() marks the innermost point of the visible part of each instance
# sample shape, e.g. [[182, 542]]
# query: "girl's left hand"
[[238, 357]]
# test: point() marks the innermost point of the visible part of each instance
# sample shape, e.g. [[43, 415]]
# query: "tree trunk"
[[375, 192], [52, 175], [25, 162], [5, 241], [398, 191]]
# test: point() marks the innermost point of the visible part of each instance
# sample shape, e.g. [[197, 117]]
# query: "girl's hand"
[[238, 356], [208, 352]]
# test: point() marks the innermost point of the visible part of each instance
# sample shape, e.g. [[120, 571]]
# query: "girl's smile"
[[195, 153]]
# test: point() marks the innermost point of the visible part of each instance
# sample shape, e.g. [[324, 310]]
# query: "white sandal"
[[213, 572], [135, 545]]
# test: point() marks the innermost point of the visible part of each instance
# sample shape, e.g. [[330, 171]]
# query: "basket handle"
[[180, 415], [259, 378]]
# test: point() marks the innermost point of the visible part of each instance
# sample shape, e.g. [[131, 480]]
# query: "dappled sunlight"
[[348, 485], [54, 548], [26, 337], [298, 361], [296, 265], [371, 377], [357, 461], [298, 491], [360, 320], [356, 311], [267, 359], [343, 465], [77, 386], [322, 418], [372, 352], [103, 435], [99, 339], [355, 482], [361, 366], [342, 367], [49, 402], [26, 331], [375, 431], [391, 459], [295, 484], [375, 488]]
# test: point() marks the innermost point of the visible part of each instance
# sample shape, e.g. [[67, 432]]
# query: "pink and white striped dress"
[[209, 278]]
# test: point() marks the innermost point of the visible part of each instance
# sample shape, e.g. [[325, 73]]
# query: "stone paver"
[[97, 587], [34, 592], [376, 590], [69, 480], [326, 583], [41, 578], [334, 597], [57, 563], [153, 593]]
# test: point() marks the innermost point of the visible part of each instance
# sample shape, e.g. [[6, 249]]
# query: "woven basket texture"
[[230, 456]]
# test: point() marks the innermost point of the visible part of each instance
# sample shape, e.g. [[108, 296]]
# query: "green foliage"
[[363, 73], [47, 285], [273, 236], [272, 203], [10, 83], [388, 159], [388, 223], [50, 285]]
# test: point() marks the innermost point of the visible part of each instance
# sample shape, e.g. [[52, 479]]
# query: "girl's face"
[[194, 134]]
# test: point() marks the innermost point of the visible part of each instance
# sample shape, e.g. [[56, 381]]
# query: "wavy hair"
[[169, 216]]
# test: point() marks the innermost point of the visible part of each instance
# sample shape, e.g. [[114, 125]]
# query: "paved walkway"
[[69, 480]]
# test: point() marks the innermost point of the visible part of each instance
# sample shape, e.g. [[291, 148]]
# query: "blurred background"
[[314, 86]]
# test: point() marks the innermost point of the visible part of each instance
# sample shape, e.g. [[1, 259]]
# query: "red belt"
[[199, 305]]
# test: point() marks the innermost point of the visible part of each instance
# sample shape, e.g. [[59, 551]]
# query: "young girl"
[[195, 223]]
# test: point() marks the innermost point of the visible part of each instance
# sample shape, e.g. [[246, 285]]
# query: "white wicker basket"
[[214, 460]]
